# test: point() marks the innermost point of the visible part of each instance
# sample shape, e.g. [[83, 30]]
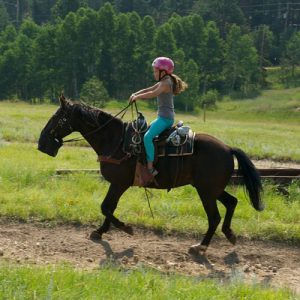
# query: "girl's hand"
[[132, 98]]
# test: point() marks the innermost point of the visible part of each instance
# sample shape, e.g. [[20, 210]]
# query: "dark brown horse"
[[209, 169]]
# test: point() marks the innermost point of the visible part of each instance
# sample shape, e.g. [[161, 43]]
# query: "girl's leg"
[[157, 126]]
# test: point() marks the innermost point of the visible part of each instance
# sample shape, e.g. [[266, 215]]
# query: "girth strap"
[[109, 159]]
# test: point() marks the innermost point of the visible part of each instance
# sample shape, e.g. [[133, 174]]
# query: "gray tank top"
[[165, 102]]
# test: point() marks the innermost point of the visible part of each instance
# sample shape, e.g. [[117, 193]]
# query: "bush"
[[210, 98], [93, 92]]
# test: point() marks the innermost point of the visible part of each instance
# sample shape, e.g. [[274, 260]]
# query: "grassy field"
[[29, 189], [111, 282], [266, 127]]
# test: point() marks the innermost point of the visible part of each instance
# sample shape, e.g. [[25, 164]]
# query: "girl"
[[168, 85]]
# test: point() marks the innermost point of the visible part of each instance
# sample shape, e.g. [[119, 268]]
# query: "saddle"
[[175, 141]]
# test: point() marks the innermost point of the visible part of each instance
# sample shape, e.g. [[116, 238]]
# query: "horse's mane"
[[94, 114]]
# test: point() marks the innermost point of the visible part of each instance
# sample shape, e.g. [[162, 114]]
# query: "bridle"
[[64, 119]]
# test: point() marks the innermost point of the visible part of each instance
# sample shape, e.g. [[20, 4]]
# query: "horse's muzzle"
[[49, 145]]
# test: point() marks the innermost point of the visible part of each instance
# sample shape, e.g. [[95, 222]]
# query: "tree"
[[177, 29], [263, 40], [29, 28], [4, 18], [212, 64], [146, 50], [7, 37], [8, 62], [8, 66], [63, 7], [190, 96], [47, 81], [224, 13], [241, 61], [136, 62], [67, 68], [293, 52], [107, 28], [41, 10], [87, 44], [164, 41], [94, 92], [123, 59], [24, 62]]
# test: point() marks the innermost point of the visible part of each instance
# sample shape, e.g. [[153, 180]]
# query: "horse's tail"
[[251, 178]]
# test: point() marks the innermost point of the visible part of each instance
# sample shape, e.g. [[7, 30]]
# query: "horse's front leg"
[[108, 207]]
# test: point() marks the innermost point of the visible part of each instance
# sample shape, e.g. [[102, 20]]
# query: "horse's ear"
[[63, 101]]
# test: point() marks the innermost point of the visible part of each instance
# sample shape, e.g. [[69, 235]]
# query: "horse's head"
[[56, 129]]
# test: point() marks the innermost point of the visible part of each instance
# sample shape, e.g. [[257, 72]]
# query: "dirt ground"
[[273, 263], [265, 163]]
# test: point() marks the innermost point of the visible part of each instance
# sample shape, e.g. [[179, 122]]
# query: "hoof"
[[95, 236], [231, 237], [198, 249], [128, 229]]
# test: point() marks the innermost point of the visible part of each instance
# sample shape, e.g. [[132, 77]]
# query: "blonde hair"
[[178, 84]]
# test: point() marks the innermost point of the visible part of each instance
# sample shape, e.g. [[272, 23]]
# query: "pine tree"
[[4, 18], [241, 61]]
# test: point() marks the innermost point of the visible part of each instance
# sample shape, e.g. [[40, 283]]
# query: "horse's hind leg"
[[108, 207], [210, 206], [230, 203]]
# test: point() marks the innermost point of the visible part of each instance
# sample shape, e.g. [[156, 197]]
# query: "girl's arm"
[[151, 88], [152, 92]]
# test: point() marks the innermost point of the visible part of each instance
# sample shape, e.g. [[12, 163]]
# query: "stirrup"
[[153, 172]]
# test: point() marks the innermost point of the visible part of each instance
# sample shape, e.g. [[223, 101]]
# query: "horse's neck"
[[105, 136]]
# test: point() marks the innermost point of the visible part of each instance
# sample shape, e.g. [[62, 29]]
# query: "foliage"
[[94, 92], [241, 61], [60, 45], [116, 48], [210, 98], [264, 43], [4, 18], [292, 58]]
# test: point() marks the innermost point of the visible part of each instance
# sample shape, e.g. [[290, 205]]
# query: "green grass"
[[278, 78], [111, 282], [265, 127], [29, 189]]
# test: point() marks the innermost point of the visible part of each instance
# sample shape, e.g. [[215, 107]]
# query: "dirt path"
[[273, 263], [265, 163]]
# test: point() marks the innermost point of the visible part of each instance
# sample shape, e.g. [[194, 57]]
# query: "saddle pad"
[[186, 149]]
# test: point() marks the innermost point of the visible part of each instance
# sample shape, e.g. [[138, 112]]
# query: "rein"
[[99, 128]]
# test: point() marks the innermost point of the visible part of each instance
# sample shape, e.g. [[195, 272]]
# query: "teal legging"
[[157, 126]]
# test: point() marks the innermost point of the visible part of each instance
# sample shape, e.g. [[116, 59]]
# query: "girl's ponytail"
[[178, 84]]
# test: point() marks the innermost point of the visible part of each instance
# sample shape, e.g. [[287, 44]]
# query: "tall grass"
[[29, 282], [265, 127], [29, 189]]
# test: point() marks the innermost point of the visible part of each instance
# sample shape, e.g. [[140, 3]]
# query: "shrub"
[[210, 98], [93, 92]]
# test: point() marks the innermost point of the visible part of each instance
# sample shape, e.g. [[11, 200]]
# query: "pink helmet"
[[164, 64]]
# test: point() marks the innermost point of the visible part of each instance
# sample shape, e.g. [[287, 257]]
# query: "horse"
[[209, 169]]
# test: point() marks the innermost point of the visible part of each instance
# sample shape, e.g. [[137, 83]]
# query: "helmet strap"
[[161, 77]]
